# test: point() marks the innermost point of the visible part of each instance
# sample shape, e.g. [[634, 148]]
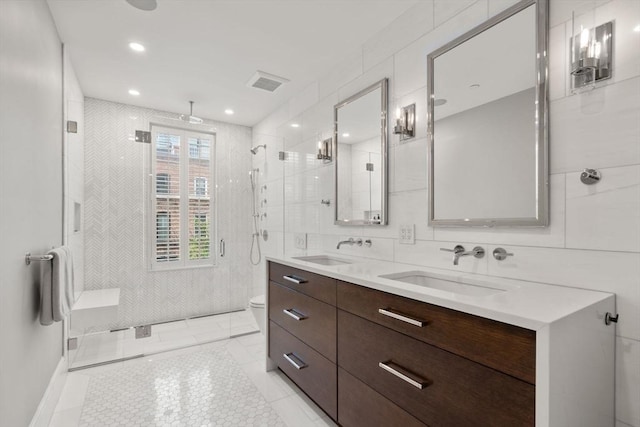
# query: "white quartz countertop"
[[526, 304]]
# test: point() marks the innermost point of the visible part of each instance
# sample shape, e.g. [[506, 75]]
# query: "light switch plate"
[[300, 240], [407, 234]]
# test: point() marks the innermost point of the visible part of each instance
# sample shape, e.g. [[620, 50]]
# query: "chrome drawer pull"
[[295, 314], [297, 363], [295, 279], [402, 317], [416, 383]]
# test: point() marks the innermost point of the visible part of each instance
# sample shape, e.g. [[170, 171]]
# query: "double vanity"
[[381, 343]]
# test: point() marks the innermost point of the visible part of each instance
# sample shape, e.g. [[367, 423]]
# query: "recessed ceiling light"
[[228, 111], [134, 92], [345, 135], [438, 102], [295, 125], [474, 86], [136, 46], [637, 28]]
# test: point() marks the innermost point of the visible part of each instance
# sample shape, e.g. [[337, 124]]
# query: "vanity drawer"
[[447, 390], [310, 320], [361, 406], [507, 348], [315, 285], [317, 376]]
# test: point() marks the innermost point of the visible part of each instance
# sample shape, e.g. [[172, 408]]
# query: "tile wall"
[[116, 187], [593, 240]]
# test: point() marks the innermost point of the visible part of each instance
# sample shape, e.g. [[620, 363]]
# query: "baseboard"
[[49, 400]]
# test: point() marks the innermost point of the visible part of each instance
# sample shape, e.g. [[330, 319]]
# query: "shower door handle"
[[222, 247]]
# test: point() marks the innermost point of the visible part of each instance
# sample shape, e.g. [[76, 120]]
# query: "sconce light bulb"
[[597, 49], [398, 113], [584, 38]]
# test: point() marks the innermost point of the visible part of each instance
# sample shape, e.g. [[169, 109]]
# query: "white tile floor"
[[106, 346], [217, 384]]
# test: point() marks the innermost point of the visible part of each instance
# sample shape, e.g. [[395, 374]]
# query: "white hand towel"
[[46, 314], [61, 283]]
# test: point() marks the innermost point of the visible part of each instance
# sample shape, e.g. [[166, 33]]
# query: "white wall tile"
[[304, 100], [605, 215], [348, 69], [290, 133], [408, 27], [628, 380], [443, 10], [597, 129], [561, 10], [410, 207], [428, 254], [318, 119], [380, 248], [551, 236], [626, 14], [382, 70], [410, 165], [558, 56]]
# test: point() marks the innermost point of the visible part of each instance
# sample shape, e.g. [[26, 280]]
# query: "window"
[[162, 183], [163, 224], [198, 148], [200, 186], [182, 206]]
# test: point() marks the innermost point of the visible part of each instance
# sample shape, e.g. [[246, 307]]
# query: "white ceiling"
[[207, 50]]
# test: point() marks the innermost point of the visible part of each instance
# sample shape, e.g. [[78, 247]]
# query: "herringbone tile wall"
[[117, 184]]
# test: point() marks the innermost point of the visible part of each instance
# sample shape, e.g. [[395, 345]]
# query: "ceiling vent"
[[266, 81]]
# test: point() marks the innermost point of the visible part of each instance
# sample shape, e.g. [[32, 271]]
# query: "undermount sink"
[[323, 259], [421, 278]]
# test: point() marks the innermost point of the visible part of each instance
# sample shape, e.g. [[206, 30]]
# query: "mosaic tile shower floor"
[[217, 384]]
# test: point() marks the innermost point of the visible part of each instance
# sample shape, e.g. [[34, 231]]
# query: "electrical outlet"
[[300, 240], [407, 234]]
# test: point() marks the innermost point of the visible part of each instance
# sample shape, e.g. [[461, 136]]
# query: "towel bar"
[[28, 258]]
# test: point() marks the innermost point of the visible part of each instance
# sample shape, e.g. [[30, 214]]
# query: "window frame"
[[187, 192]]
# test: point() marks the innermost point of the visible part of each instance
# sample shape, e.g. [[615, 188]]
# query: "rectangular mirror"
[[487, 122], [360, 162]]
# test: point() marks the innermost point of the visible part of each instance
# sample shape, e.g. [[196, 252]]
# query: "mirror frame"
[[541, 218], [384, 101]]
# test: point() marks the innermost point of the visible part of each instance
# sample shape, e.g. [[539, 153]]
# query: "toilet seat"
[[257, 301]]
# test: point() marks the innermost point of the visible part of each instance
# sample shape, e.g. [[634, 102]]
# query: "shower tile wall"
[[116, 187], [593, 240]]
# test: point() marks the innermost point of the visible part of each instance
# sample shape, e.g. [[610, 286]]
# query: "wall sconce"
[[405, 122], [591, 51], [324, 150]]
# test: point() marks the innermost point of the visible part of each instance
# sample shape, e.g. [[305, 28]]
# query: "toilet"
[[257, 304]]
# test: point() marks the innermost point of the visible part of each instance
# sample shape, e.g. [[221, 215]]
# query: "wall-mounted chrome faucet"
[[459, 252], [351, 241]]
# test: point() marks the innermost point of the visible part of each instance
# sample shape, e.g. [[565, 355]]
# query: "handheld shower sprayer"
[[254, 150]]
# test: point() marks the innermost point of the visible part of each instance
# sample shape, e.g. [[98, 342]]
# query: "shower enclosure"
[[162, 227]]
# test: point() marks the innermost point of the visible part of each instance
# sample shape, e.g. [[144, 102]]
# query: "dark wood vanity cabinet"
[[302, 332], [377, 359]]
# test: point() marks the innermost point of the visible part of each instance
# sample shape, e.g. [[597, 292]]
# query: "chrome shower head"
[[254, 150]]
